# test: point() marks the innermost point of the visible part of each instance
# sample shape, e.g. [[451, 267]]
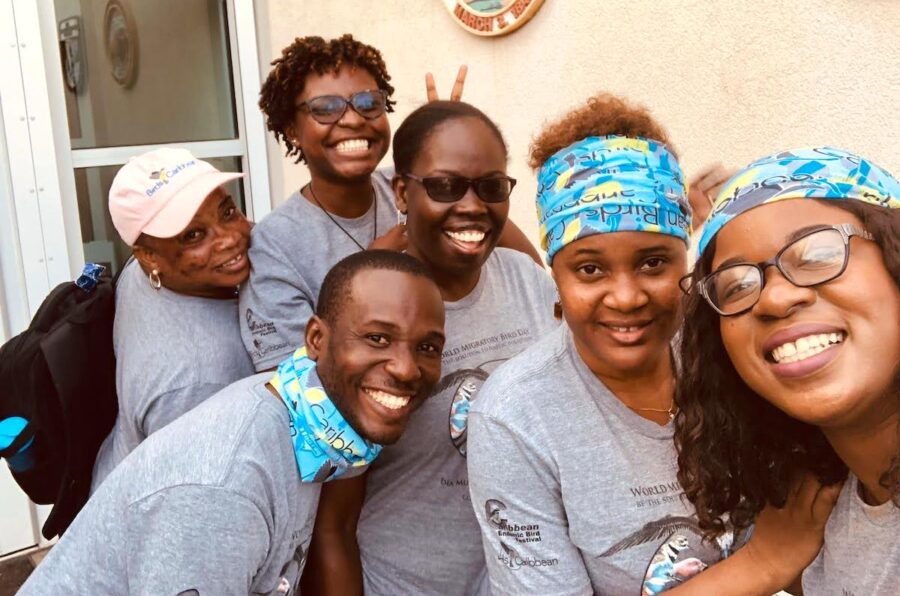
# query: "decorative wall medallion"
[[120, 38], [492, 17]]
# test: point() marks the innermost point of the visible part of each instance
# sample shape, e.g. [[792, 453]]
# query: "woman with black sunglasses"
[[327, 101], [791, 356], [416, 531]]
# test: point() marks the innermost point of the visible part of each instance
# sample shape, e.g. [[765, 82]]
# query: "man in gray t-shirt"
[[417, 533], [214, 502], [574, 492]]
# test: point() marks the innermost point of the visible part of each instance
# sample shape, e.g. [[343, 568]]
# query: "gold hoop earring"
[[155, 282]]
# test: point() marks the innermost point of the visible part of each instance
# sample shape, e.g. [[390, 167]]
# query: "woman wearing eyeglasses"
[[327, 102], [791, 352], [572, 468], [416, 531]]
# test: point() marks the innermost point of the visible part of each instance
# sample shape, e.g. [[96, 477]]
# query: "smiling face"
[[207, 258], [349, 149], [381, 357], [456, 236], [777, 346], [620, 297]]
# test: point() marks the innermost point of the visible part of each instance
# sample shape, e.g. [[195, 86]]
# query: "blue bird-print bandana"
[[818, 173], [610, 184], [325, 445]]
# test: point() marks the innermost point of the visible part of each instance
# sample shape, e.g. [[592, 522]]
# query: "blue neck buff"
[[325, 445]]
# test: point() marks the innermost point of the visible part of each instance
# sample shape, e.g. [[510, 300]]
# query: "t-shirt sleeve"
[[171, 405], [194, 538], [275, 305], [519, 508]]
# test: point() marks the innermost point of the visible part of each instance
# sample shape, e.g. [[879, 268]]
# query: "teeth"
[[388, 400], [233, 261], [805, 347], [466, 235], [624, 329], [352, 145]]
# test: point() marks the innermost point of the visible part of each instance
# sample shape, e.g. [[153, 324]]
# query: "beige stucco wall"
[[732, 80]]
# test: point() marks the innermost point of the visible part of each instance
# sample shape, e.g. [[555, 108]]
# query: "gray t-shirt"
[[574, 492], [172, 352], [291, 250], [211, 503], [861, 555], [417, 533]]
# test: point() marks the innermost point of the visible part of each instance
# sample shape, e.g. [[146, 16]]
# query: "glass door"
[[136, 74]]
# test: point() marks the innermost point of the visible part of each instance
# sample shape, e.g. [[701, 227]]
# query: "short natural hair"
[[422, 122], [602, 115], [336, 287], [313, 55]]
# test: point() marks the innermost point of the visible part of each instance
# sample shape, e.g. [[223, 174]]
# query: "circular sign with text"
[[492, 17]]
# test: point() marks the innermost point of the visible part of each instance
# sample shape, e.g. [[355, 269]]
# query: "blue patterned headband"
[[610, 184], [818, 173]]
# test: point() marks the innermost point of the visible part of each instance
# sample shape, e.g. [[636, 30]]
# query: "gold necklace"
[[670, 410]]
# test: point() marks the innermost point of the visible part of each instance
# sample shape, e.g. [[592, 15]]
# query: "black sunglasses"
[[449, 189], [817, 257], [328, 109]]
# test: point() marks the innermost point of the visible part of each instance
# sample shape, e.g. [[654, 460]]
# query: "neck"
[[868, 450], [453, 284], [349, 199], [651, 386]]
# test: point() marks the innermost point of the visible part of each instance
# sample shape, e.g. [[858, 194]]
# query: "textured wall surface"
[[731, 80]]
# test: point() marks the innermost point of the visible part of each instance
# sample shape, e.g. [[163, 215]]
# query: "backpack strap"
[[23, 437]]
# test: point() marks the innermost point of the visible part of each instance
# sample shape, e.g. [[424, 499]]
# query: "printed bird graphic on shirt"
[[467, 382]]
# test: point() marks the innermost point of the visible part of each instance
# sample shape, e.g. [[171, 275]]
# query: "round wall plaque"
[[120, 38], [492, 17]]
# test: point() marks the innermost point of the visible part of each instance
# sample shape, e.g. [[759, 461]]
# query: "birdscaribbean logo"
[[492, 17]]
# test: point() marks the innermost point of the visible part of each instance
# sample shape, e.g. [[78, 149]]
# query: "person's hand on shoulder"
[[394, 239]]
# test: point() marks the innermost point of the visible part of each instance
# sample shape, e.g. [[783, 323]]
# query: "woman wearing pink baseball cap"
[[176, 334]]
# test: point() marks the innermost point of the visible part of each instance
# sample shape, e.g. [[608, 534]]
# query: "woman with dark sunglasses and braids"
[[416, 531], [327, 101], [791, 357]]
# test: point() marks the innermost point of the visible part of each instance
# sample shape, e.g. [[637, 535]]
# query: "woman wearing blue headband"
[[572, 469], [803, 297]]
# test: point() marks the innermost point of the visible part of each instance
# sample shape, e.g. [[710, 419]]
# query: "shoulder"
[[277, 224], [512, 263], [206, 445], [530, 379]]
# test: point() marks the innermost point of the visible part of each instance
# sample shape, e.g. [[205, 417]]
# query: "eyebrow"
[[227, 198], [440, 172], [793, 236]]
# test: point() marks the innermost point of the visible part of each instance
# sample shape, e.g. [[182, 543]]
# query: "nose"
[[471, 203], [625, 294], [350, 119], [402, 365], [780, 298], [227, 236]]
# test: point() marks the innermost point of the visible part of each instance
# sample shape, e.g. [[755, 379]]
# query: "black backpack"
[[58, 392]]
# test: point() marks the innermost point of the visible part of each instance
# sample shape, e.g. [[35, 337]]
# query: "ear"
[[399, 184], [291, 132], [147, 258], [316, 337]]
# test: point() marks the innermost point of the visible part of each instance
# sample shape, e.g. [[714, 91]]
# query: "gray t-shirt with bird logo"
[[417, 532], [574, 492]]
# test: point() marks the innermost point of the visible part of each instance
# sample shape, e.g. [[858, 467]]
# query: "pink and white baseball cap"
[[157, 193]]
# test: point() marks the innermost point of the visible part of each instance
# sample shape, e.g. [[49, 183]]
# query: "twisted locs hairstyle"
[[603, 114], [737, 452], [313, 55]]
